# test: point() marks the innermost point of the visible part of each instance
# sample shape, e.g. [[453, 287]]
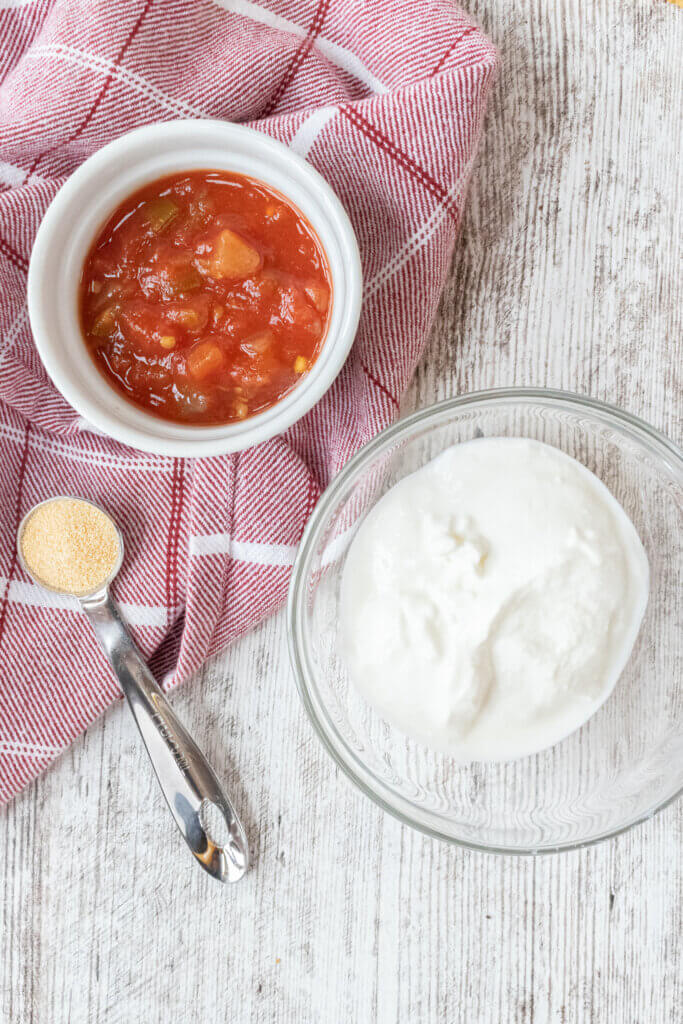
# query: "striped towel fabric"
[[385, 99]]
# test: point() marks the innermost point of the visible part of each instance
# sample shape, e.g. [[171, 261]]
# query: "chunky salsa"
[[205, 297]]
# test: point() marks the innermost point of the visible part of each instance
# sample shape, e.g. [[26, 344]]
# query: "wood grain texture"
[[567, 273]]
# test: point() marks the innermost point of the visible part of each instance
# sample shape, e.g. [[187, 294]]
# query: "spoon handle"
[[186, 778]]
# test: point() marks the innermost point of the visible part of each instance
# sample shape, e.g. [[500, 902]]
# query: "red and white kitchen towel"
[[386, 100]]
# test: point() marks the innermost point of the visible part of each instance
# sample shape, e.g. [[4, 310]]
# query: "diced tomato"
[[258, 344], [230, 256], [110, 294], [205, 359], [171, 277], [190, 402], [251, 374], [295, 311], [192, 313], [139, 324], [200, 207]]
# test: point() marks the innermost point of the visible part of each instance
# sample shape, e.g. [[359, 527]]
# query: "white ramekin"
[[83, 205]]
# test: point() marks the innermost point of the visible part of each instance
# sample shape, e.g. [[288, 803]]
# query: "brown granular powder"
[[70, 546]]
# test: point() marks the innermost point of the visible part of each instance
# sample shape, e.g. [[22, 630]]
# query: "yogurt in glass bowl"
[[626, 761]]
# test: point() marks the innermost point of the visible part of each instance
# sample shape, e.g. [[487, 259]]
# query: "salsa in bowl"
[[205, 297], [194, 288]]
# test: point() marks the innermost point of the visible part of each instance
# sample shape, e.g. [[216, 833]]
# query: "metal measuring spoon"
[[186, 778]]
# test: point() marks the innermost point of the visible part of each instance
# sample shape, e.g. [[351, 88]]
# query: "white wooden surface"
[[568, 273]]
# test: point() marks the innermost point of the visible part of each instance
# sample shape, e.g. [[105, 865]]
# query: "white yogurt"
[[490, 600]]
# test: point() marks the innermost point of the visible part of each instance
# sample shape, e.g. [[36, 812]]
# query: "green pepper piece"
[[187, 279], [160, 212]]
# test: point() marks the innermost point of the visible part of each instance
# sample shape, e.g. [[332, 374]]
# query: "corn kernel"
[[300, 364], [241, 410], [167, 341]]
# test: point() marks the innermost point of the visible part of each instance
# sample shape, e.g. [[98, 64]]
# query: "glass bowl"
[[626, 762]]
